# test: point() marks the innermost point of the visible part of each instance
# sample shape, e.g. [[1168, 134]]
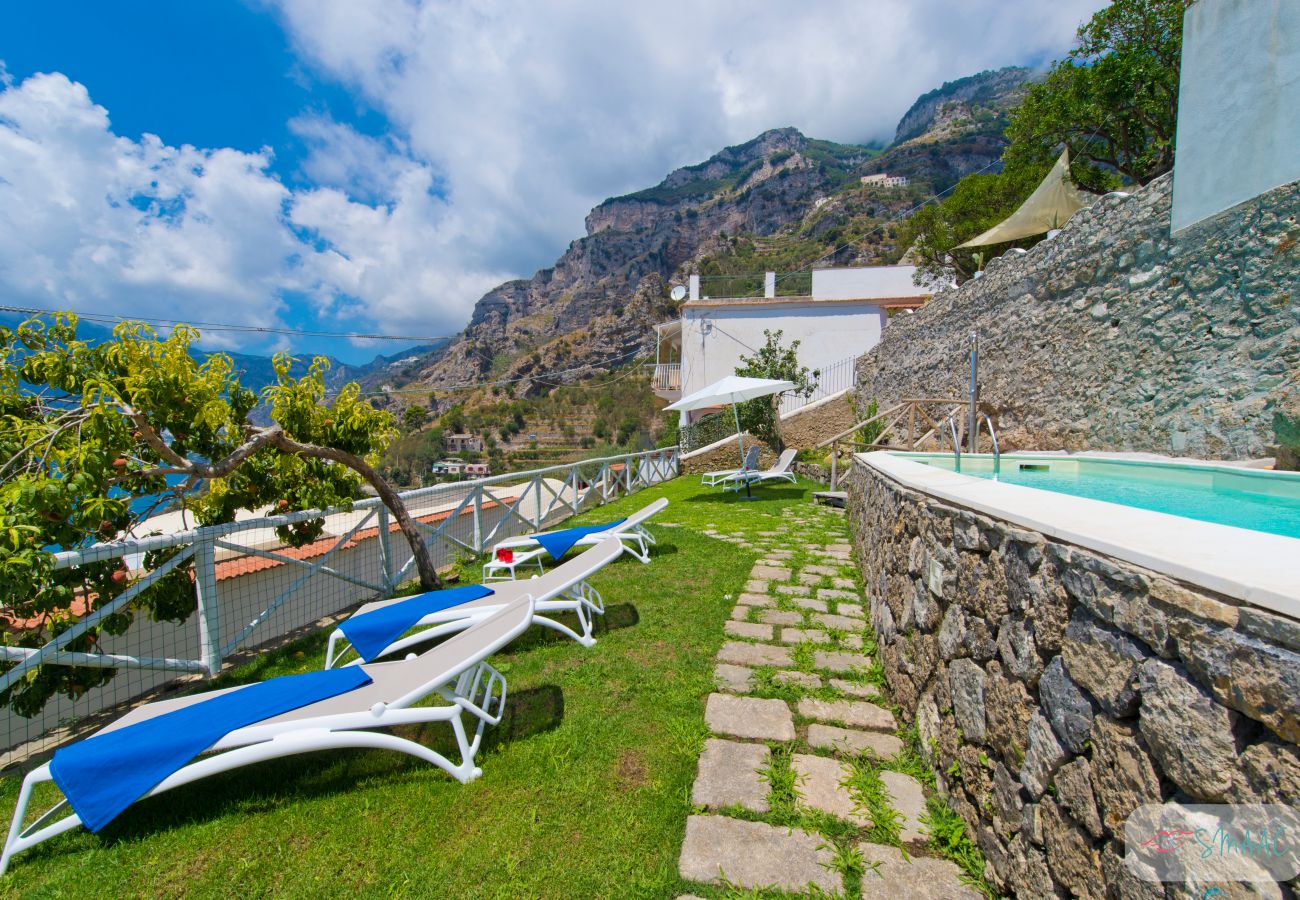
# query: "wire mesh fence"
[[244, 590], [706, 430]]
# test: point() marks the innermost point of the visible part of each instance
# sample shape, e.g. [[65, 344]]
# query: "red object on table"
[[505, 555]]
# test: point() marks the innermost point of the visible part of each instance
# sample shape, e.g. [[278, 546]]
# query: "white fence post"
[[209, 606], [386, 550]]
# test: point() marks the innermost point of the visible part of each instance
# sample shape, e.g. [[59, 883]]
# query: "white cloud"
[[531, 113], [97, 222], [509, 122]]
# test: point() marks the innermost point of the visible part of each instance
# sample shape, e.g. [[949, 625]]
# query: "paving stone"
[[822, 570], [851, 712], [889, 875], [836, 594], [819, 784], [832, 737], [800, 635], [770, 533], [781, 617], [843, 548], [733, 678], [780, 554], [852, 641], [834, 661], [749, 717], [729, 776], [740, 613], [749, 630], [753, 855], [809, 578], [803, 679], [756, 587], [844, 623], [755, 600], [906, 796], [807, 603], [850, 609], [754, 655], [775, 573], [794, 590]]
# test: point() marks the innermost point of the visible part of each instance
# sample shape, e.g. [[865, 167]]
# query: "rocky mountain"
[[593, 310], [933, 111]]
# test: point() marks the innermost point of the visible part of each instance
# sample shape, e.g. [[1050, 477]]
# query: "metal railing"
[[831, 379], [667, 377], [251, 590], [889, 422]]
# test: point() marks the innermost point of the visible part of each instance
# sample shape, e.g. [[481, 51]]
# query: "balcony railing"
[[251, 592], [831, 379], [668, 377]]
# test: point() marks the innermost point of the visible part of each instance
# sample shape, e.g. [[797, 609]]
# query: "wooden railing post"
[[911, 426], [835, 454]]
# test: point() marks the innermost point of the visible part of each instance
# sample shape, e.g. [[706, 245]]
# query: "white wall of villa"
[[843, 317], [1239, 105]]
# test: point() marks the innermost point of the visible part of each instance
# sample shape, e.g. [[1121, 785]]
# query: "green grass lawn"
[[586, 783]]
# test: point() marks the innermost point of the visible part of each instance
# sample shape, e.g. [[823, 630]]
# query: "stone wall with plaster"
[[724, 454], [809, 425], [1114, 335], [1055, 690]]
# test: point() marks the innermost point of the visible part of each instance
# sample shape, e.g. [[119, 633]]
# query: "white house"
[[882, 179], [838, 321]]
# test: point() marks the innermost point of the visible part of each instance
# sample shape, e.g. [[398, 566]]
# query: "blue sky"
[[375, 165]]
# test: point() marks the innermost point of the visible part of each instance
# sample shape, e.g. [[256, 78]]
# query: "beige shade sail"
[[1049, 206]]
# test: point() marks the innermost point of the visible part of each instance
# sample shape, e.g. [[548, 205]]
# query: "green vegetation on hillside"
[[612, 414], [1113, 101]]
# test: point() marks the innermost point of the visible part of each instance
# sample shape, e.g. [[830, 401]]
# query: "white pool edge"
[[1252, 567]]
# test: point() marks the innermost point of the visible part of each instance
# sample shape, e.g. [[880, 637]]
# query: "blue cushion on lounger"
[[558, 543], [371, 632], [106, 773]]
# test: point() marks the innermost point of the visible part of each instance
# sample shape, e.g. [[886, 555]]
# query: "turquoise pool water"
[[1260, 501]]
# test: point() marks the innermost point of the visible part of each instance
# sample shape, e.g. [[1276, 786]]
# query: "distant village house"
[[881, 179]]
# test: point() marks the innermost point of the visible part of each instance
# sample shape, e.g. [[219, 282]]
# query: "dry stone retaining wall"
[[809, 425], [724, 454], [1115, 336], [1055, 690]]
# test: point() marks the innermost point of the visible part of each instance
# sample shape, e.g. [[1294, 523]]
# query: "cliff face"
[[1116, 336], [593, 310], [933, 111]]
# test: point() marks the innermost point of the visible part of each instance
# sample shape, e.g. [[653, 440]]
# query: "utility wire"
[[430, 389], [889, 221], [107, 318]]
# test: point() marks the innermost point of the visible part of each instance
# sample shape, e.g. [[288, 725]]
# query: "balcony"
[[667, 381]]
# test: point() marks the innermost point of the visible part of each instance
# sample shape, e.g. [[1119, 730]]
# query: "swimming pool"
[[1255, 499]]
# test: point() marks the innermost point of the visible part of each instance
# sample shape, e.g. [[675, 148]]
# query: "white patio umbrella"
[[733, 389]]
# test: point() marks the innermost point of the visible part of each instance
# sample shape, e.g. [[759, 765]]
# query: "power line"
[[113, 318], [429, 389], [897, 218]]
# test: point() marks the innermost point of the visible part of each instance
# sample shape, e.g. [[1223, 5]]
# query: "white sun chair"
[[563, 589], [455, 670], [749, 464], [636, 539], [781, 471]]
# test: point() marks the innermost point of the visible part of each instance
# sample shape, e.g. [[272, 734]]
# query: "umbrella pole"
[[740, 437]]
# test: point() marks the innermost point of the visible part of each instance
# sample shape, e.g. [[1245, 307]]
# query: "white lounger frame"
[[563, 589], [748, 464], [632, 531], [779, 472], [471, 686]]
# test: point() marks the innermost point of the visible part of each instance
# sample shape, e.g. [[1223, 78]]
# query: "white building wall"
[[715, 337], [866, 281], [1239, 105]]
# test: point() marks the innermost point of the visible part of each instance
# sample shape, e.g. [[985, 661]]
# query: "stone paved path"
[[794, 703]]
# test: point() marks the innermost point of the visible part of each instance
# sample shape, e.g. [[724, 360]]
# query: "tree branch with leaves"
[[95, 437]]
